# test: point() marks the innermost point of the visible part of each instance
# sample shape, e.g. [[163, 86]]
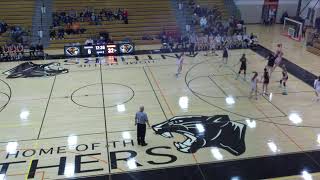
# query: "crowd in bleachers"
[[89, 15], [69, 22], [214, 30]]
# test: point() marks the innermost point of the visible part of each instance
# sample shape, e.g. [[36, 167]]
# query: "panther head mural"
[[30, 69], [205, 131]]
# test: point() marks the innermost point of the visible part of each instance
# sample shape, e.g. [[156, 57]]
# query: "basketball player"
[[225, 55], [265, 80], [270, 65], [285, 77], [192, 42], [278, 56], [179, 64], [316, 86], [254, 86], [284, 80], [243, 67]]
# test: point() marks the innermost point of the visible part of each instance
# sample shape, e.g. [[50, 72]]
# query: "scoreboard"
[[88, 50], [99, 50]]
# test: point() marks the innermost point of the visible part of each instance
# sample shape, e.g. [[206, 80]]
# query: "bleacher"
[[16, 13], [145, 18]]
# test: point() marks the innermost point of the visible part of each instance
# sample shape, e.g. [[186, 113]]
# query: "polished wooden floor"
[[83, 121]]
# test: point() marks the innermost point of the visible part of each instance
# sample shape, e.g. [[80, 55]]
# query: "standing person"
[[284, 80], [278, 56], [179, 64], [254, 86], [192, 42], [141, 120], [271, 61], [265, 80], [243, 67], [225, 55], [316, 86]]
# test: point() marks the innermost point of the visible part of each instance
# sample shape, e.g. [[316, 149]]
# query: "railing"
[[232, 8]]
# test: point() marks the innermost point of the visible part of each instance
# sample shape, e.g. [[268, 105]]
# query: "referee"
[[141, 120]]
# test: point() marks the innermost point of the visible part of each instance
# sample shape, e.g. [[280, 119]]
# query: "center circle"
[[90, 96]]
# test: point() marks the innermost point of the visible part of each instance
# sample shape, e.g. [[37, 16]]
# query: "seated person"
[[253, 40], [75, 27], [53, 34], [89, 42], [13, 51], [68, 29], [101, 40], [61, 33], [39, 49], [20, 51]]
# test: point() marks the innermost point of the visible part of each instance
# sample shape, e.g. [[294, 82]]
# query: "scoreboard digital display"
[[112, 49], [99, 50], [88, 50]]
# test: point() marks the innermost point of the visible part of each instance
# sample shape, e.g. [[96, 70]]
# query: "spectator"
[[68, 28], [197, 10], [203, 22], [53, 34], [125, 16], [75, 27], [3, 27], [39, 50], [194, 19], [284, 15], [180, 5], [61, 33], [89, 41]]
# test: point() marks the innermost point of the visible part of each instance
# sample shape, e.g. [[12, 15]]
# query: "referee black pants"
[[141, 133]]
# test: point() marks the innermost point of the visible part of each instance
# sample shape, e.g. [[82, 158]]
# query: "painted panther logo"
[[30, 69], [205, 131]]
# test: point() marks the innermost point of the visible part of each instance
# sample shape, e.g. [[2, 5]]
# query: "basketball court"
[[81, 123]]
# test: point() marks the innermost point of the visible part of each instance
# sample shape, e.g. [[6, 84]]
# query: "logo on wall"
[[205, 131], [126, 48], [72, 51], [29, 69]]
